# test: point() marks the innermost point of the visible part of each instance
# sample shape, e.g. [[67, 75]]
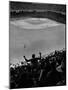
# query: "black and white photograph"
[[37, 44]]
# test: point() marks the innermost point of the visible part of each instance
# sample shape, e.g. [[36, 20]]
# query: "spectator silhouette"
[[33, 60], [53, 76], [34, 66]]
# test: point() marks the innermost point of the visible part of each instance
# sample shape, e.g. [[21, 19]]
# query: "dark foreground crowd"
[[40, 71]]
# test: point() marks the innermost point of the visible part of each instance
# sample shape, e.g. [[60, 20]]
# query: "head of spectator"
[[33, 56]]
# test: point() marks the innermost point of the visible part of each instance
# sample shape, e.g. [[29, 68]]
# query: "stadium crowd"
[[40, 71]]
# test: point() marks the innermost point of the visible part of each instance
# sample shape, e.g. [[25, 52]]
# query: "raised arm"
[[25, 58], [40, 54]]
